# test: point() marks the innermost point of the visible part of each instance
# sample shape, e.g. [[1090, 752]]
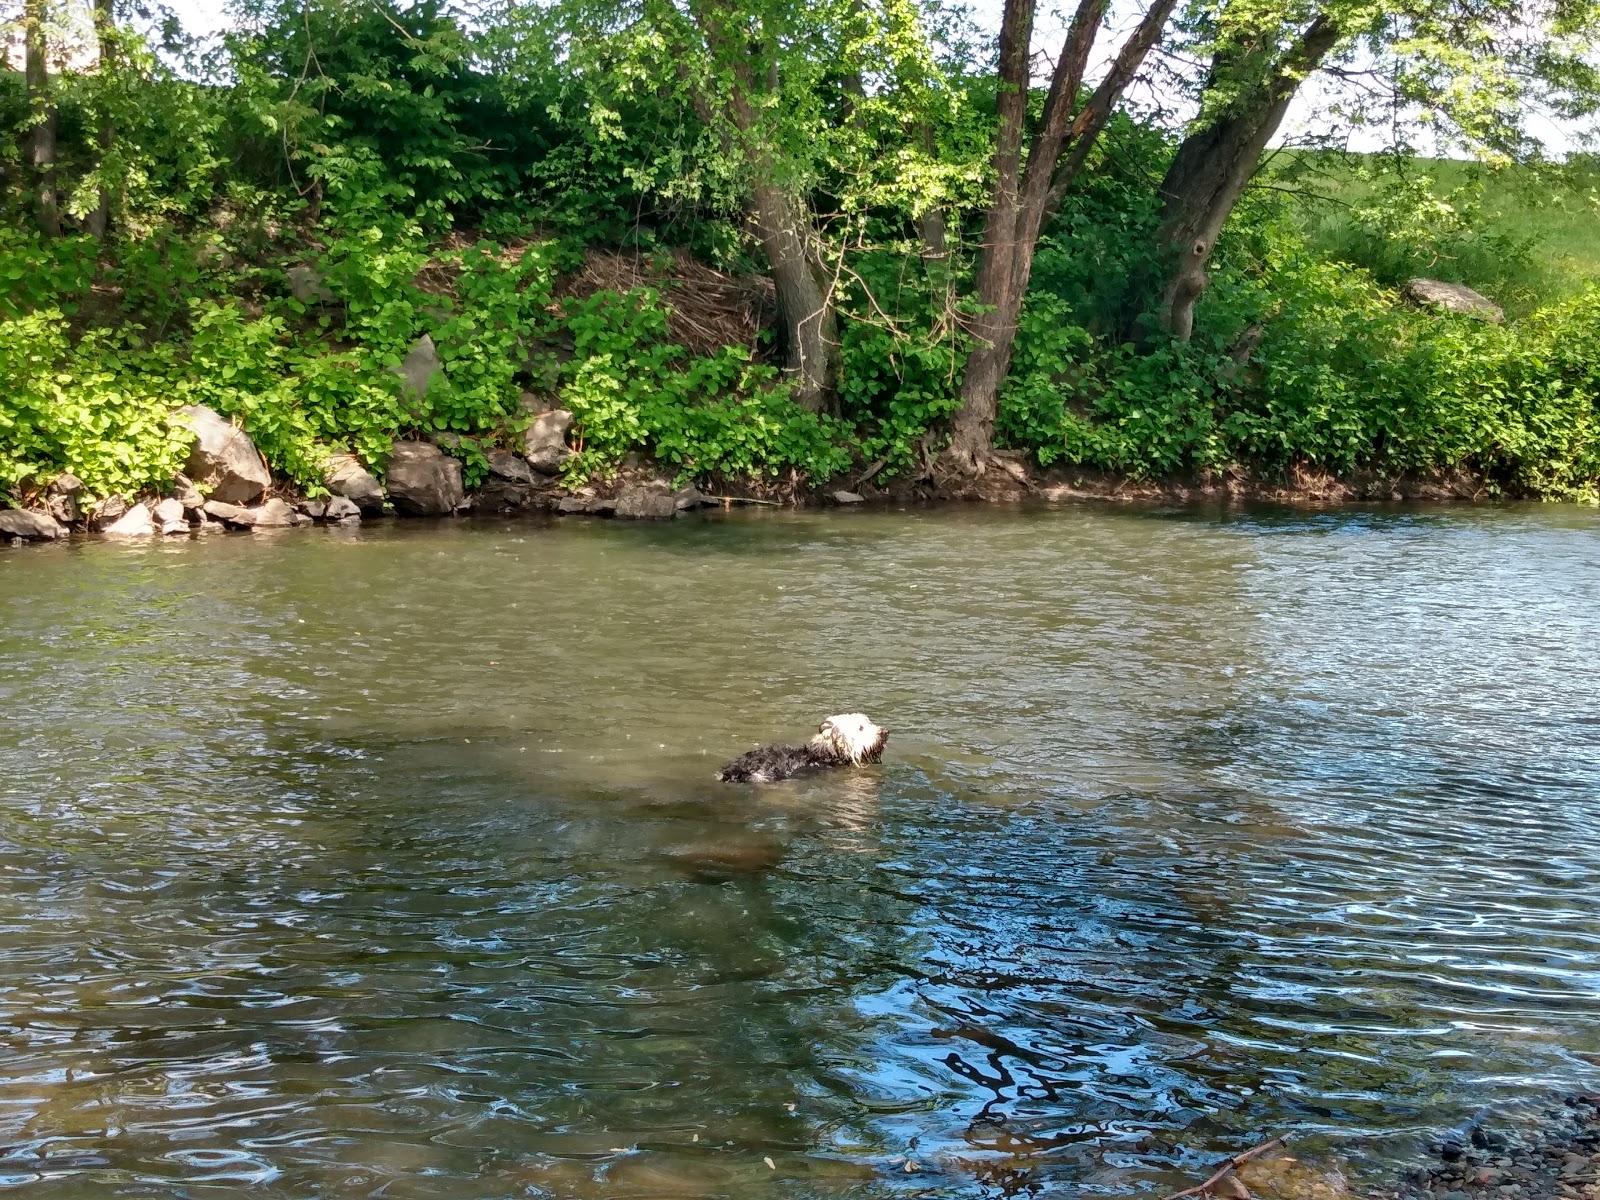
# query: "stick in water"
[[1238, 1160]]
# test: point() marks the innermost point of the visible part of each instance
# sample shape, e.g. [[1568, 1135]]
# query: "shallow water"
[[389, 862]]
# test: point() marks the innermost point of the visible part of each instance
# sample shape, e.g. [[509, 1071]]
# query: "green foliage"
[[99, 408], [38, 272], [629, 386], [1298, 362], [902, 358]]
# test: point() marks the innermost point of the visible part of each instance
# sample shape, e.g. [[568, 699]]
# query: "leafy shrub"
[[43, 273], [629, 387], [901, 358], [101, 409]]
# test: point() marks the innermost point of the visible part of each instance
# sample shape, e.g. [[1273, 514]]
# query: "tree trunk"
[[1209, 172], [42, 113], [105, 36], [783, 225], [931, 226], [972, 432], [1016, 220], [805, 302]]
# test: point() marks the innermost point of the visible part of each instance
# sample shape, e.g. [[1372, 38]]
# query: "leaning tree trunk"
[[1013, 230], [105, 37], [1209, 172], [805, 301], [42, 115]]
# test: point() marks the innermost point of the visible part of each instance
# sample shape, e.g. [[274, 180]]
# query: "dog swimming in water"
[[847, 740]]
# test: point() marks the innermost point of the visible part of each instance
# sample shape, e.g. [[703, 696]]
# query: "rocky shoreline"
[[1554, 1156], [227, 485], [1550, 1151]]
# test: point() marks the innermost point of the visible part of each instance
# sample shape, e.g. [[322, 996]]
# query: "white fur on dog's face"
[[853, 736]]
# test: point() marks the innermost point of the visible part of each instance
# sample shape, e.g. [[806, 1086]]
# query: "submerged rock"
[[169, 516], [29, 526], [224, 457], [424, 481], [1452, 297], [136, 522], [343, 475], [646, 502]]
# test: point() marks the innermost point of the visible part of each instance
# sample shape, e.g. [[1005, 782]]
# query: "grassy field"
[[1522, 235]]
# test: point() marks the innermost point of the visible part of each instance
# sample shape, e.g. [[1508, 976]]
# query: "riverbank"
[[1555, 1156], [227, 484], [1549, 1153]]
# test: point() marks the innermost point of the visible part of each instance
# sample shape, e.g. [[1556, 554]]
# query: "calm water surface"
[[389, 862]]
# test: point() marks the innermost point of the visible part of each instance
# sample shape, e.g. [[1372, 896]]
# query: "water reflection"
[[391, 863]]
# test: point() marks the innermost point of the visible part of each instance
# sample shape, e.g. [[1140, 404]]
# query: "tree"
[[41, 116], [782, 218], [105, 33], [1472, 68], [1026, 195]]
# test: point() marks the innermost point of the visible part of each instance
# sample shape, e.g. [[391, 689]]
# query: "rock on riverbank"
[[1556, 1157]]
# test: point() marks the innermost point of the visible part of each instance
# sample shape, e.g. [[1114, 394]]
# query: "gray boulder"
[[424, 481], [510, 486], [62, 498], [505, 465], [29, 526], [842, 497], [1452, 297], [306, 286], [224, 457], [341, 511], [420, 365], [234, 516], [186, 494], [275, 514], [343, 475], [646, 502], [135, 522], [169, 516], [107, 511], [545, 443], [690, 497]]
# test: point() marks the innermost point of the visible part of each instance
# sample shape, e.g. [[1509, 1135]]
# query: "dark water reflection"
[[389, 864]]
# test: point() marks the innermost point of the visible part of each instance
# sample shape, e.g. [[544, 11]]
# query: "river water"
[[389, 862]]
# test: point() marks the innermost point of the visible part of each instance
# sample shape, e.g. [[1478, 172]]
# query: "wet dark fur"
[[768, 764]]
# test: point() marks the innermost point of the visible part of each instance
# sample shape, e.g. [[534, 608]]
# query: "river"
[[389, 862]]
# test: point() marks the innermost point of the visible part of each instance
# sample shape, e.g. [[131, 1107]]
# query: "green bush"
[[100, 408], [628, 386]]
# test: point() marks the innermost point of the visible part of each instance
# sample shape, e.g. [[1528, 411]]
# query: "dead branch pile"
[[706, 308]]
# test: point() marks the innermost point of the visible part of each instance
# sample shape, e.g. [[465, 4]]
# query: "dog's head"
[[853, 737]]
